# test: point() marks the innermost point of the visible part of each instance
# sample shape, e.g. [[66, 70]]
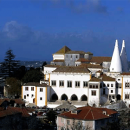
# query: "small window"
[[107, 85], [111, 85], [90, 86], [77, 84], [111, 91], [32, 88], [119, 79], [126, 96], [27, 95], [96, 86], [69, 84], [61, 83], [93, 93], [113, 97], [85, 84], [32, 95], [24, 96], [53, 82], [40, 98], [68, 122], [76, 56], [26, 88], [41, 89]]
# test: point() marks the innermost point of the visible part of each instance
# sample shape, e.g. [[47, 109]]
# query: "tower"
[[124, 61], [116, 61]]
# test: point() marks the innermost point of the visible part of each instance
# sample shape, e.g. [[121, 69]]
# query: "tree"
[[13, 86], [32, 76], [9, 65]]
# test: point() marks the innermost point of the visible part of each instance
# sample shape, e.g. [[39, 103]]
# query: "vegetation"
[[13, 86], [33, 75], [9, 65]]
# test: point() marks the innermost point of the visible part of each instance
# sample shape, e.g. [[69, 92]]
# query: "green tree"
[[32, 76], [9, 65], [13, 86]]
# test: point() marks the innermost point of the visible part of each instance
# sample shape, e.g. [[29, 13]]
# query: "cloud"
[[38, 45], [86, 6]]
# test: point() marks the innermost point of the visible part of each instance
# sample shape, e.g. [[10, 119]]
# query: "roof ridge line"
[[87, 113], [92, 115]]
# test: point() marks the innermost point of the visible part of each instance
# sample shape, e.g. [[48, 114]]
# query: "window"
[[40, 98], [77, 84], [41, 89], [113, 97], [69, 84], [26, 88], [126, 96], [93, 93], [24, 96], [32, 95], [27, 95], [53, 82], [127, 85], [118, 79], [61, 83], [90, 86], [107, 85], [111, 85], [76, 56], [96, 86], [111, 91], [85, 84], [68, 122], [32, 88]]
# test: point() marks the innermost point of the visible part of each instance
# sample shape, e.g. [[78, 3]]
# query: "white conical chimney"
[[116, 61], [124, 61]]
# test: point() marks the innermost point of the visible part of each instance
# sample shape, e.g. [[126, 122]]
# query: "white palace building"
[[82, 79]]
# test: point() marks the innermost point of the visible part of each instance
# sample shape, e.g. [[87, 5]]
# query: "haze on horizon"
[[35, 29]]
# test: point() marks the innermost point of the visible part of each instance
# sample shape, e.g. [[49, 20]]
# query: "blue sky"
[[35, 29]]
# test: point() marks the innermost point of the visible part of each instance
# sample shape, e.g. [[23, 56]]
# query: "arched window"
[[64, 97], [74, 97], [84, 98], [118, 97], [54, 97]]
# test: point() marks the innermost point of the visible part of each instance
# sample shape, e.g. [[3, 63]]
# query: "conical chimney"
[[116, 61], [123, 56]]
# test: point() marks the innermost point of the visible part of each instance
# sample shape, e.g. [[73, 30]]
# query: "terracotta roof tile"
[[19, 101], [35, 84], [107, 78], [63, 50], [125, 73], [94, 79], [72, 69], [91, 66], [89, 113], [75, 52]]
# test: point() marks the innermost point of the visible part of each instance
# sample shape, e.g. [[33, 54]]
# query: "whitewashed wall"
[[58, 57], [69, 91]]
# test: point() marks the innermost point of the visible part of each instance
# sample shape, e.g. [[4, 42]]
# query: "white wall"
[[42, 95], [69, 91], [58, 57]]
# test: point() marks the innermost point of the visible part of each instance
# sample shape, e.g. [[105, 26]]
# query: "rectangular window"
[[126, 96], [68, 122], [111, 85], [69, 84], [32, 88], [40, 98], [90, 86], [61, 83], [127, 85], [96, 86], [32, 95], [93, 93], [53, 82], [107, 85], [77, 84], [85, 84], [111, 91], [27, 95], [113, 97], [24, 96], [26, 88], [76, 56], [41, 89]]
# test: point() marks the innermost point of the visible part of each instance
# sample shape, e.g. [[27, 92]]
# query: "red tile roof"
[[89, 113], [5, 99], [125, 73]]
